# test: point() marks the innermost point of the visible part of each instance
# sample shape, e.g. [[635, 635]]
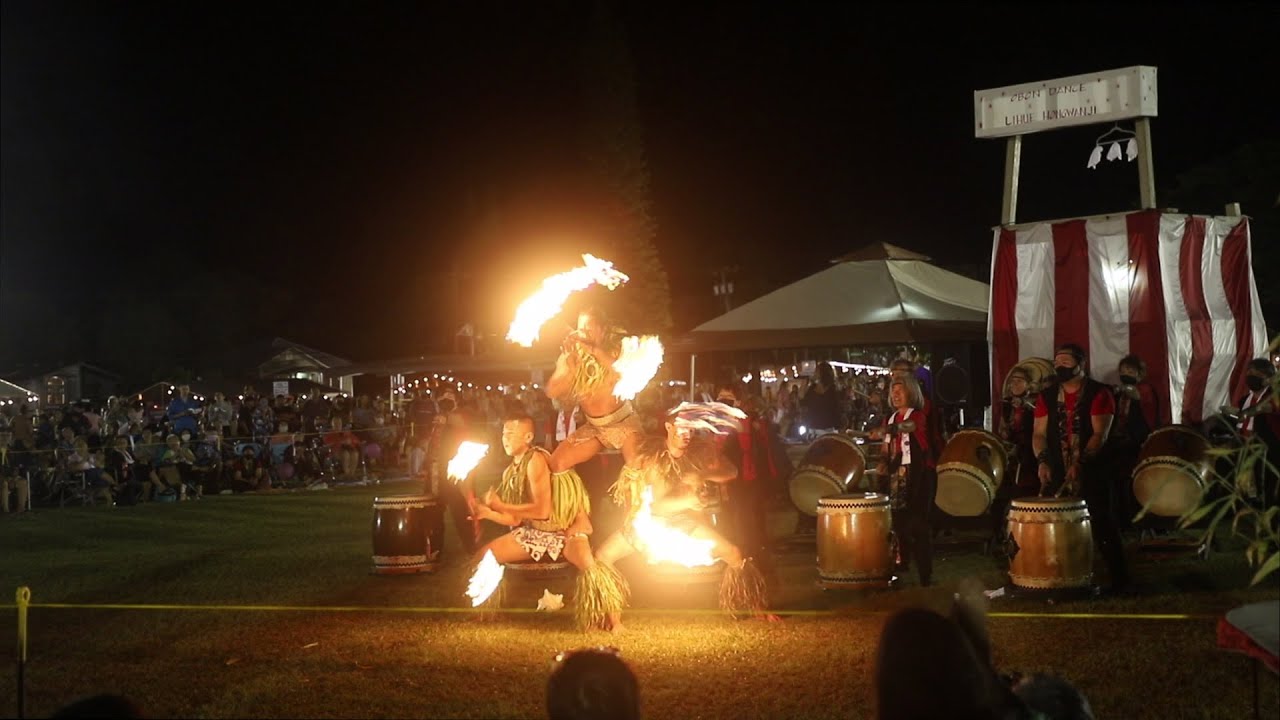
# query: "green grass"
[[313, 549]]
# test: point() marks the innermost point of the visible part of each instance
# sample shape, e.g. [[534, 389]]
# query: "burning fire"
[[663, 543], [545, 304], [639, 362], [484, 580], [469, 455]]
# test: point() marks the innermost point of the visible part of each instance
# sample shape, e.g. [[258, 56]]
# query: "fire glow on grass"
[[485, 579], [547, 302], [663, 543], [469, 455]]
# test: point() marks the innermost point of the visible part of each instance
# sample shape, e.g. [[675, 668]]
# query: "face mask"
[[1064, 374], [1255, 383], [1128, 380]]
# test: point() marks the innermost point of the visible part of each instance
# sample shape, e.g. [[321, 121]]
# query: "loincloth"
[[611, 430], [540, 542]]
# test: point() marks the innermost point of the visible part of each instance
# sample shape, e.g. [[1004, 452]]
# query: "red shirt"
[[340, 439], [1103, 404]]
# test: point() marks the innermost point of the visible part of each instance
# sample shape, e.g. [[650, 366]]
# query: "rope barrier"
[[521, 611]]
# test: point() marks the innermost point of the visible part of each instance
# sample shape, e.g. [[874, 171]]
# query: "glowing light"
[[547, 302], [469, 455], [803, 430], [747, 378], [636, 365], [663, 543], [484, 580], [488, 387]]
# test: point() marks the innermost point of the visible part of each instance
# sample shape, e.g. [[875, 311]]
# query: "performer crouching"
[[910, 465], [672, 468], [551, 516]]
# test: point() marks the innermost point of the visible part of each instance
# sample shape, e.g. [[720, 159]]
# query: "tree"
[[614, 149]]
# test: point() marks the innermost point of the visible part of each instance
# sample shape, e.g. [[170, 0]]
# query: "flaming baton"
[[639, 362], [485, 579], [547, 302], [468, 456]]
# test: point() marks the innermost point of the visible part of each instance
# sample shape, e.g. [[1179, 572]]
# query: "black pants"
[[1100, 487], [747, 519], [911, 523], [452, 495]]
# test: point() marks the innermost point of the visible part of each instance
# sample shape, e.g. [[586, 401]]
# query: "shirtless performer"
[[548, 511], [584, 376], [675, 467]]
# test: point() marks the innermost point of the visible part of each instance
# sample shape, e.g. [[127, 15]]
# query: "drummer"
[[1017, 424], [1135, 418], [910, 463], [1068, 441]]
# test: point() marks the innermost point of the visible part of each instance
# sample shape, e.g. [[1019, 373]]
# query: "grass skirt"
[[601, 592]]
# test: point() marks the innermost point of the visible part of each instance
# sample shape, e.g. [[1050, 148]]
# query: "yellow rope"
[[24, 604]]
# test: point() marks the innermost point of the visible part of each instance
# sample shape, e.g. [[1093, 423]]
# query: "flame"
[[663, 543], [484, 580], [546, 303], [469, 455], [639, 362]]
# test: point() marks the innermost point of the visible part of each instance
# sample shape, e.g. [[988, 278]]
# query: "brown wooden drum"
[[1051, 543], [1172, 471], [408, 532], [969, 473], [853, 541], [830, 465]]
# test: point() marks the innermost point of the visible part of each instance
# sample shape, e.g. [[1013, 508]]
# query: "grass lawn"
[[313, 549]]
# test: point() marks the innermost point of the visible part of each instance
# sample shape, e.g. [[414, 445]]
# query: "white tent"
[[881, 294]]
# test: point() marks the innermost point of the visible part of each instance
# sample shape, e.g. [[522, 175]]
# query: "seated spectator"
[[279, 442], [146, 452], [174, 467], [13, 473], [81, 460], [263, 420], [183, 411], [592, 684], [345, 446], [248, 473], [119, 466], [207, 468], [315, 408], [287, 412]]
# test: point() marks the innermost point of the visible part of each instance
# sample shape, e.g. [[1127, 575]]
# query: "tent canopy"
[[873, 299]]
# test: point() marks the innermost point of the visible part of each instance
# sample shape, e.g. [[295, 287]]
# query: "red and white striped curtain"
[[1175, 290]]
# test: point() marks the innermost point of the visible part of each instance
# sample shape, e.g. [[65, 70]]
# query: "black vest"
[[1082, 420]]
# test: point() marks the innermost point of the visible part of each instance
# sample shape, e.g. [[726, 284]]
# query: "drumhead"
[[1048, 504], [809, 484], [853, 500], [392, 502]]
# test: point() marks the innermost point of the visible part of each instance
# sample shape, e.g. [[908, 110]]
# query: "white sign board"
[[1079, 100], [279, 387]]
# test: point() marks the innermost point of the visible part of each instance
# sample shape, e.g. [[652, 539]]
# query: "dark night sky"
[[325, 159]]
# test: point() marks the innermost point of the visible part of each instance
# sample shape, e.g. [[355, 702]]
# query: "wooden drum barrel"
[[830, 465], [408, 532], [853, 541], [1051, 543], [969, 473], [1172, 471]]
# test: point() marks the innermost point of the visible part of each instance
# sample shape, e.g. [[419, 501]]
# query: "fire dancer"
[[585, 376], [548, 511], [666, 481]]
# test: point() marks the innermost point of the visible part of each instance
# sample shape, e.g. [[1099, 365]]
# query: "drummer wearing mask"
[[911, 466], [1135, 418], [1067, 442], [1016, 427]]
